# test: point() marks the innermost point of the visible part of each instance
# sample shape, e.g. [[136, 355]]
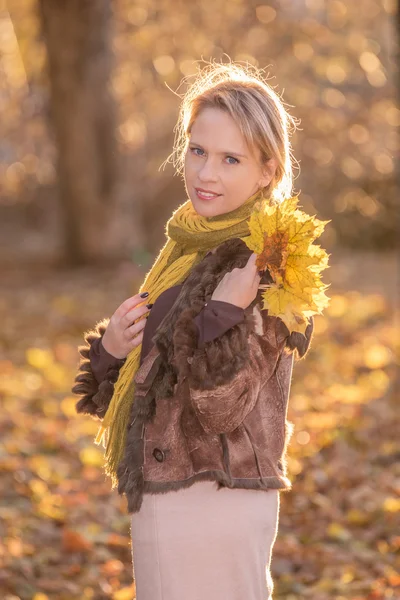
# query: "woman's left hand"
[[239, 286]]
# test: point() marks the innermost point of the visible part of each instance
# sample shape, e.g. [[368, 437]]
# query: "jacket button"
[[158, 454]]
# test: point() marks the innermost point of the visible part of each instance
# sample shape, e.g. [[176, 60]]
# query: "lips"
[[206, 191], [206, 194]]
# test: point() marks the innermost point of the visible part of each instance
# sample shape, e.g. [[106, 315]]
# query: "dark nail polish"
[[144, 294], [149, 305]]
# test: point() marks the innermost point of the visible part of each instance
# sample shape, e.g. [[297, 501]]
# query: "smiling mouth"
[[205, 195]]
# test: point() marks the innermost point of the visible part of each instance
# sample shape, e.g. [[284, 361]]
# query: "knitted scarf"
[[189, 237]]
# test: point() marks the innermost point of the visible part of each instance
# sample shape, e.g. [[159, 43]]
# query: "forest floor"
[[65, 535]]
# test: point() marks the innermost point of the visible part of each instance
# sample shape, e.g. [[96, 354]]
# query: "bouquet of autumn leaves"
[[282, 236]]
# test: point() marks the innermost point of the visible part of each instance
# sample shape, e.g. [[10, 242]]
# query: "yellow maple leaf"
[[282, 236]]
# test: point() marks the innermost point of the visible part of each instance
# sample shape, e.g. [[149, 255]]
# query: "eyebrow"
[[223, 152]]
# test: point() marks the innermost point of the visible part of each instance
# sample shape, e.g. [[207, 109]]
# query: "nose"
[[208, 172]]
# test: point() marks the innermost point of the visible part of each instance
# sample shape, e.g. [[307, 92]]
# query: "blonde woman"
[[193, 399]]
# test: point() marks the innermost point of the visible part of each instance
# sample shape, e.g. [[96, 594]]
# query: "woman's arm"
[[95, 381], [216, 318], [101, 360]]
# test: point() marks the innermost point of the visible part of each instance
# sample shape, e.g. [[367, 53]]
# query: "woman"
[[196, 395]]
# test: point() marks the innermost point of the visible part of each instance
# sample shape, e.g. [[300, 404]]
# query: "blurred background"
[[89, 96]]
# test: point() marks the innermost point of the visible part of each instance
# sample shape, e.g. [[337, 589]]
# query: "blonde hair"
[[244, 94]]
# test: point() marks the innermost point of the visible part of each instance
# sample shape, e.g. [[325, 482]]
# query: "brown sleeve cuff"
[[94, 397], [216, 318], [101, 360]]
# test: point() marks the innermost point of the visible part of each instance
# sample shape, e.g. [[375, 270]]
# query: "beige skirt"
[[203, 543]]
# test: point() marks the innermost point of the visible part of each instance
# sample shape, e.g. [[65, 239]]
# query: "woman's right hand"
[[122, 333]]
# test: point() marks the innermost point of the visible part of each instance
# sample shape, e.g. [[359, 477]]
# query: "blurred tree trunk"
[[77, 37]]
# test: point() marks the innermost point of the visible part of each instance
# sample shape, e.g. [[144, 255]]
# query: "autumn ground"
[[64, 536]]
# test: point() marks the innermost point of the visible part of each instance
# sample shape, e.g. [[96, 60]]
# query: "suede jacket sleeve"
[[216, 318], [101, 360], [95, 385], [224, 377]]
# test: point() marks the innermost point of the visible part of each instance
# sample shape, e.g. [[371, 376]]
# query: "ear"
[[268, 172]]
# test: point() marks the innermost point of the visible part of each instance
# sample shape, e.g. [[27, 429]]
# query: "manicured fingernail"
[[149, 305], [144, 294]]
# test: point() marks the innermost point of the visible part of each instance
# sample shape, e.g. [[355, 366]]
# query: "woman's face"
[[219, 161]]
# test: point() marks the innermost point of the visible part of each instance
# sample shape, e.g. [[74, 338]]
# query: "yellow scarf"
[[189, 237]]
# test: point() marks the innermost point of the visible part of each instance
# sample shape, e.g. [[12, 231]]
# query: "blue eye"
[[232, 157], [193, 149]]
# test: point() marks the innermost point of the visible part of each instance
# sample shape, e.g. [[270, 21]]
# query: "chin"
[[205, 211]]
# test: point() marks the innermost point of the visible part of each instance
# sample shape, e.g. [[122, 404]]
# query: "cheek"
[[234, 177]]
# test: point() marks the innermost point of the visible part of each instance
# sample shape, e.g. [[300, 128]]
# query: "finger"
[[251, 265], [129, 304], [135, 341], [133, 330], [252, 259], [133, 315]]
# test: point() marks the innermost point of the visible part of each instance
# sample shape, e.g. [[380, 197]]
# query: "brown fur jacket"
[[216, 412]]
